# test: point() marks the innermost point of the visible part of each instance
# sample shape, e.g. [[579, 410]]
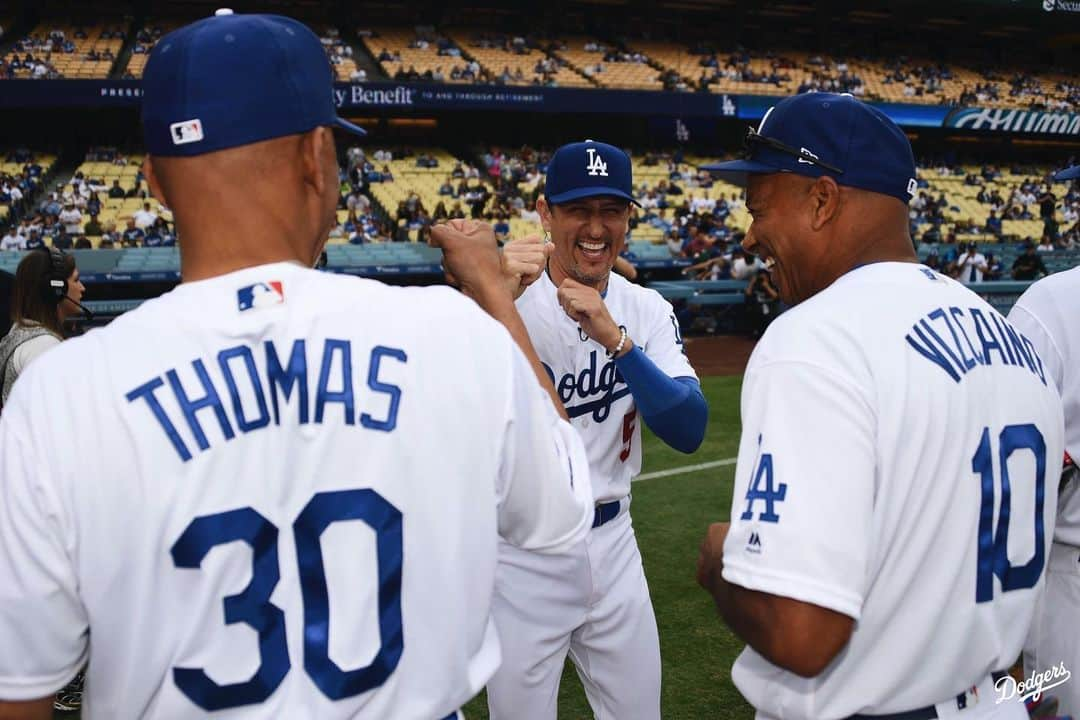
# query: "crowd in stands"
[[46, 53], [20, 180]]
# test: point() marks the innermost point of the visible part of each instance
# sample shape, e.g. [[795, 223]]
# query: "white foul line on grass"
[[685, 469]]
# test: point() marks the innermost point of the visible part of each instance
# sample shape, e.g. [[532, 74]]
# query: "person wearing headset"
[[46, 292]]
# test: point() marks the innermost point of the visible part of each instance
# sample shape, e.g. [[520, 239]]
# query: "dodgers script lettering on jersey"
[[260, 488], [898, 462], [596, 396]]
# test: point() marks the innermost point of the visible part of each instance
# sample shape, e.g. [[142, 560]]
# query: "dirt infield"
[[719, 355]]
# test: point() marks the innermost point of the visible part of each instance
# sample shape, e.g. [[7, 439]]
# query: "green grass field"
[[670, 516]]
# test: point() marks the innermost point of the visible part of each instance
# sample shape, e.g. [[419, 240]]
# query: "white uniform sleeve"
[[544, 489], [804, 487], [663, 343], [43, 624], [1031, 326]]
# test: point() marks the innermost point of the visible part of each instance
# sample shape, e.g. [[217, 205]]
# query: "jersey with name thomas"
[[898, 464], [596, 397], [1047, 314], [276, 492]]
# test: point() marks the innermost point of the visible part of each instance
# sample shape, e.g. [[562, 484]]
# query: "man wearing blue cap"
[[891, 510], [1047, 314], [614, 353], [223, 488]]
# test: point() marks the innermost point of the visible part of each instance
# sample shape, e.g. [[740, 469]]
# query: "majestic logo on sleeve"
[[596, 164], [260, 295], [593, 390]]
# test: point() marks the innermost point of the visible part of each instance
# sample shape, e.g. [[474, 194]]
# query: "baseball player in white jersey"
[[1046, 313], [615, 356], [273, 492], [896, 480]]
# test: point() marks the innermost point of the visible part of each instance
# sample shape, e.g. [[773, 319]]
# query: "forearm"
[[673, 408], [498, 304], [27, 710]]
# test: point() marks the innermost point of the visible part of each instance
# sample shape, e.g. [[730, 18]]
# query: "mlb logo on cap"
[[186, 132], [263, 294], [232, 80]]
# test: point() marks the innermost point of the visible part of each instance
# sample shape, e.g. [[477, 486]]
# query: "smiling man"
[[615, 356], [892, 513]]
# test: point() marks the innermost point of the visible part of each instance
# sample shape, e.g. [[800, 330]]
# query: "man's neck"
[[557, 274]]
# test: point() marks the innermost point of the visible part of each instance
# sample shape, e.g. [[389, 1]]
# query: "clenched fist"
[[585, 307], [523, 261], [470, 255], [711, 557]]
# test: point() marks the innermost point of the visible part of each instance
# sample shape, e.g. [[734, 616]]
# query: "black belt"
[[605, 513], [924, 713]]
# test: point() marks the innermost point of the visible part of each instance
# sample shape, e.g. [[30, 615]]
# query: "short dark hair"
[[30, 301]]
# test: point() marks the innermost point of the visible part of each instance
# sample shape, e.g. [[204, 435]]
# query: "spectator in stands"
[[1028, 265], [763, 302], [37, 316], [12, 240], [993, 224], [994, 268], [153, 233], [116, 192], [1047, 206], [447, 188], [93, 205], [136, 191], [933, 260], [971, 265], [144, 217], [502, 229], [457, 212], [132, 235], [83, 243], [110, 238], [440, 213], [62, 240], [1046, 244], [52, 206], [71, 218]]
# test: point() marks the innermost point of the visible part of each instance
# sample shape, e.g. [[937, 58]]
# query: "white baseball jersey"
[[596, 397], [898, 464], [1046, 313], [278, 491], [970, 267]]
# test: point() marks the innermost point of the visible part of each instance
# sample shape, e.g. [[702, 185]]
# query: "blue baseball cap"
[[587, 169], [1069, 173], [817, 134], [232, 80]]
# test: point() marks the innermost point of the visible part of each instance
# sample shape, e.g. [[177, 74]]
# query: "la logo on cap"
[[596, 164], [188, 131]]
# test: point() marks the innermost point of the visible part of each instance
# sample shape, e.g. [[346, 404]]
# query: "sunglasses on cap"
[[754, 139]]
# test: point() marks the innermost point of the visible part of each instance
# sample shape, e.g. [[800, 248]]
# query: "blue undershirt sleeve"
[[673, 408]]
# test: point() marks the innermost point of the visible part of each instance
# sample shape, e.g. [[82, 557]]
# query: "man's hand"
[[523, 261], [585, 306], [711, 558], [470, 256]]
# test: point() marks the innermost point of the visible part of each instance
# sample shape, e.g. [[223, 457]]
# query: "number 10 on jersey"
[[994, 543]]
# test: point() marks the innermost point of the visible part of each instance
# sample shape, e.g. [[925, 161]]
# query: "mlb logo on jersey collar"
[[263, 294]]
